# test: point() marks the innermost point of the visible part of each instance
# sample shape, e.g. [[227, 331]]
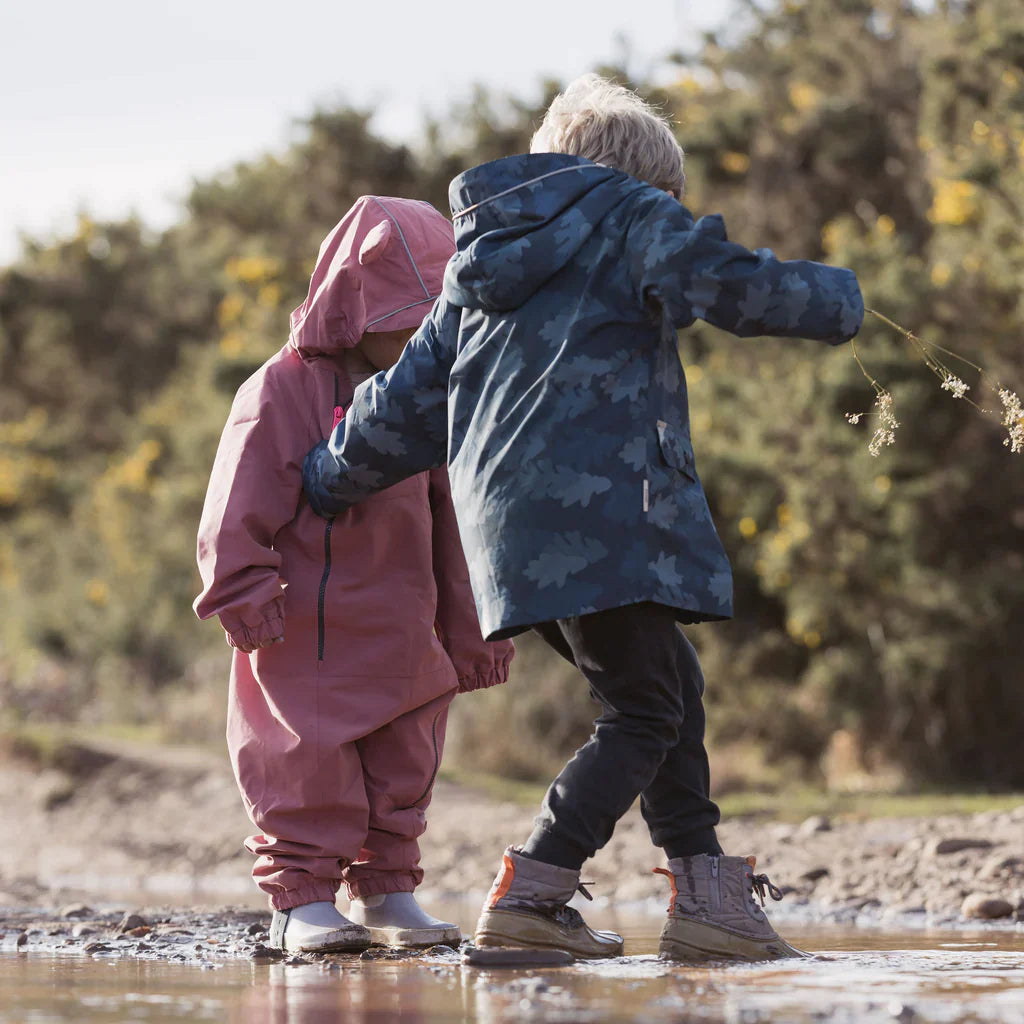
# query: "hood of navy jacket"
[[520, 220]]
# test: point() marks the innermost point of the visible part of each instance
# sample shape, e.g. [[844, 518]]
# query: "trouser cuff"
[[704, 840], [552, 849], [319, 891], [385, 882]]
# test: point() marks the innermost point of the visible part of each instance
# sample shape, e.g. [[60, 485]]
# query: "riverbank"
[[106, 831]]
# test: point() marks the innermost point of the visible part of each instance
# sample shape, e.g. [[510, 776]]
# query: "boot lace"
[[570, 916], [565, 915], [762, 886]]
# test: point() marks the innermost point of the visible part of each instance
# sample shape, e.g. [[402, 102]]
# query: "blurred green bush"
[[878, 600]]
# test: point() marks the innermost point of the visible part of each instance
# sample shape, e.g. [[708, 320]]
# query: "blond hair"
[[611, 125]]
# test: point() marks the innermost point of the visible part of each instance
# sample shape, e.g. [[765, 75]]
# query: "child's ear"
[[375, 243]]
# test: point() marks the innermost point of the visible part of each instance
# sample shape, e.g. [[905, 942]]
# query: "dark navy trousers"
[[648, 740]]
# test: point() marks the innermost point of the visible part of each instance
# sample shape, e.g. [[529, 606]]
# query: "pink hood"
[[366, 278]]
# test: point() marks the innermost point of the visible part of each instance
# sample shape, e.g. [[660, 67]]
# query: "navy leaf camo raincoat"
[[548, 376]]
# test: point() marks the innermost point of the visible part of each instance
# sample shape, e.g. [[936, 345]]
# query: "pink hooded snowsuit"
[[336, 733]]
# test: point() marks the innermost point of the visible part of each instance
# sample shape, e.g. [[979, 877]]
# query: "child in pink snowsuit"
[[350, 637]]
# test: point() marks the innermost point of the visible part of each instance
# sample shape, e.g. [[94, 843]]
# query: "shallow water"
[[862, 976]]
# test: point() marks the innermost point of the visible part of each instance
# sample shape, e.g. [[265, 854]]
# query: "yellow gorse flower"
[[735, 163], [252, 269], [804, 96], [954, 201]]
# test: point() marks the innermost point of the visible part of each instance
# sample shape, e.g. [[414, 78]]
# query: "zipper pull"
[[714, 867]]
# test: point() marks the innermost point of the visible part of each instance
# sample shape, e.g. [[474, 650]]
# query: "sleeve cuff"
[[250, 635], [497, 674]]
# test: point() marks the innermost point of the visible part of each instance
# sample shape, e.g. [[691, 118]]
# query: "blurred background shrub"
[[877, 638]]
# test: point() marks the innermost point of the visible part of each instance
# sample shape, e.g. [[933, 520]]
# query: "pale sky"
[[114, 106]]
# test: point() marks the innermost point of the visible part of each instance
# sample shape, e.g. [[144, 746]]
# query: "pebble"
[[955, 845], [261, 952], [978, 905], [814, 874], [77, 910], [815, 823], [999, 865], [81, 930], [129, 922]]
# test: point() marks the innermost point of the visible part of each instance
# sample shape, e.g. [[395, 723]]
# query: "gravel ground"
[[123, 832]]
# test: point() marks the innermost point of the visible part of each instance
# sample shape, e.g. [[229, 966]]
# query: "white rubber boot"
[[396, 919], [316, 928]]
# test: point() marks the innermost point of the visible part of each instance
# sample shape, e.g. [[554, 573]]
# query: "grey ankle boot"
[[526, 907], [713, 914]]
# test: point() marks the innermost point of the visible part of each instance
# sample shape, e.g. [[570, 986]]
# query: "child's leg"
[[676, 805], [400, 762], [306, 797], [631, 657]]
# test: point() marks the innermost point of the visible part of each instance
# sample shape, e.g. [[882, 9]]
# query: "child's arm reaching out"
[[255, 489], [478, 663], [397, 425], [695, 272]]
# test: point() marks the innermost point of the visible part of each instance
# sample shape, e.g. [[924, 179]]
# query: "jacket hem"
[[685, 616]]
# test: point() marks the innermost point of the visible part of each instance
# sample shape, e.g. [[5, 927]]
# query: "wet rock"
[[95, 947], [940, 847], [21, 939], [978, 905], [388, 953], [79, 931], [141, 930], [255, 929], [815, 823], [261, 952], [130, 921], [77, 910]]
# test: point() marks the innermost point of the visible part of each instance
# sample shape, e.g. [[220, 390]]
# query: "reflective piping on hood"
[[401, 235], [429, 298], [514, 188]]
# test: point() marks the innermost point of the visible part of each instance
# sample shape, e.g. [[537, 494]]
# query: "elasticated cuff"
[[318, 891], [382, 882], [482, 680], [244, 635]]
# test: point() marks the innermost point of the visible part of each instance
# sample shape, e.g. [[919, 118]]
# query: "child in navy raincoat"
[[547, 376]]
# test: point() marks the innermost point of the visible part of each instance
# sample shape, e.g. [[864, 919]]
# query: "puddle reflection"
[[861, 977]]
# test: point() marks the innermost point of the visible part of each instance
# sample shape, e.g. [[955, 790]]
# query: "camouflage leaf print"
[[547, 375]]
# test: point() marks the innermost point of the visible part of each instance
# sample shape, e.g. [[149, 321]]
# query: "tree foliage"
[[877, 597]]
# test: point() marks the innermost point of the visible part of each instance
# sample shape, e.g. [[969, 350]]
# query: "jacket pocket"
[[676, 449]]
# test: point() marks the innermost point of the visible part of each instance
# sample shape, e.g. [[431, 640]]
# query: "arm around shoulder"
[[397, 425]]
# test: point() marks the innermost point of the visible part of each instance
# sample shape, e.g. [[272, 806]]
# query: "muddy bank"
[[126, 829]]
